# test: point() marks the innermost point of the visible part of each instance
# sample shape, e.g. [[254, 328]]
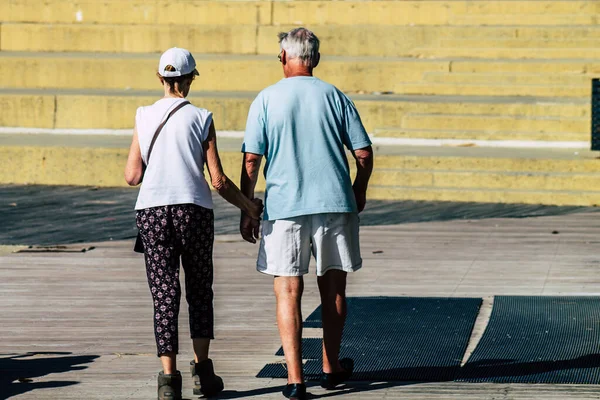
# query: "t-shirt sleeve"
[[255, 136], [355, 135]]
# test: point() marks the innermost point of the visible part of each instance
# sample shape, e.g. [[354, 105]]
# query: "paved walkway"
[[78, 325]]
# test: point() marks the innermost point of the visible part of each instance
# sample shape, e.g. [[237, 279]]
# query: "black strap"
[[185, 103]]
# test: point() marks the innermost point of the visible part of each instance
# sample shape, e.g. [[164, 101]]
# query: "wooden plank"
[[95, 307]]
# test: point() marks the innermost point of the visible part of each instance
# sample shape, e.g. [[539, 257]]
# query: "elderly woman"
[[172, 140]]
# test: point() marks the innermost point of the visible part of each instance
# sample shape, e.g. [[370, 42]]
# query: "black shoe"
[[295, 391], [330, 381], [169, 386], [206, 382]]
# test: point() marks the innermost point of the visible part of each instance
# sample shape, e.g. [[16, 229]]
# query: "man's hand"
[[249, 228], [257, 208], [361, 198]]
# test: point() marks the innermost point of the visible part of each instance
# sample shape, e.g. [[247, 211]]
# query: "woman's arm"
[[134, 169], [225, 187]]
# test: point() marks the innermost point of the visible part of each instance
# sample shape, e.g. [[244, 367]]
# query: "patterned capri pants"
[[169, 233]]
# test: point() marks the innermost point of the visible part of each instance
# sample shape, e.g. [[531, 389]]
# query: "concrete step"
[[459, 174], [487, 180], [548, 197], [239, 38], [437, 12], [510, 78], [507, 53], [448, 158], [518, 43], [399, 12], [220, 72], [115, 109], [528, 19], [398, 41], [227, 39], [217, 72], [389, 157], [467, 135], [549, 128], [530, 67], [133, 12], [497, 89]]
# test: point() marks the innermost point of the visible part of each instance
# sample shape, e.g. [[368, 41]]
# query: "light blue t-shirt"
[[302, 126]]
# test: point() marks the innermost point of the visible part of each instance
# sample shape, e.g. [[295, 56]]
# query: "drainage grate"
[[397, 339], [538, 339]]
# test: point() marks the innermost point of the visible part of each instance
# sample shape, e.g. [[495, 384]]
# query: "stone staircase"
[[466, 70]]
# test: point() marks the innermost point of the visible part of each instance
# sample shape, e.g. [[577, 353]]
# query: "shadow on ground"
[[45, 215], [381, 212], [19, 373], [499, 371]]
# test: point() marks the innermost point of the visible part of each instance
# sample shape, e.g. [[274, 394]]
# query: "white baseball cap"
[[176, 62]]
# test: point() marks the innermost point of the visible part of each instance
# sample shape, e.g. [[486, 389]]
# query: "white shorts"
[[286, 244]]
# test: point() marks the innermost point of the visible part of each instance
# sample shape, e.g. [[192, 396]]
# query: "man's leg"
[[288, 291], [332, 287]]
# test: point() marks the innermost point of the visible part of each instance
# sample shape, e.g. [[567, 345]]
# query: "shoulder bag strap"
[[185, 103]]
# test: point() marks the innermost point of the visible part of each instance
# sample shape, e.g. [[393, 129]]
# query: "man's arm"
[[364, 168], [250, 167]]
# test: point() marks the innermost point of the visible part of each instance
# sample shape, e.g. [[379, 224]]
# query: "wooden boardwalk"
[[79, 325]]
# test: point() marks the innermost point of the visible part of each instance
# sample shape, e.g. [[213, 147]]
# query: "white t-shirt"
[[175, 173]]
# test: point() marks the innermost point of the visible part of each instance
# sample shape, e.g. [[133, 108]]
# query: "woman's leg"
[[162, 270], [195, 230], [201, 346], [169, 363]]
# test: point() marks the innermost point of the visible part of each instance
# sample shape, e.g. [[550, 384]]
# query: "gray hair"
[[300, 43]]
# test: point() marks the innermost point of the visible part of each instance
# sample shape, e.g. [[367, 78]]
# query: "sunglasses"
[[279, 55]]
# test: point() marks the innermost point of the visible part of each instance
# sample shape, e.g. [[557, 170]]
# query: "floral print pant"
[[169, 233]]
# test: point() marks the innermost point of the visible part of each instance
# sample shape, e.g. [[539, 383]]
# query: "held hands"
[[250, 223], [257, 208]]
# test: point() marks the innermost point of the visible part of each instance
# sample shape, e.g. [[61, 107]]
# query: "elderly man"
[[301, 126]]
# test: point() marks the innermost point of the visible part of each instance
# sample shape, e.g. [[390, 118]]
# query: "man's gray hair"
[[301, 43]]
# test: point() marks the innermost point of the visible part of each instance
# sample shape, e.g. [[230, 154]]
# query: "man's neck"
[[299, 72]]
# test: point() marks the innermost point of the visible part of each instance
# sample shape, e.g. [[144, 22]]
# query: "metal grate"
[[395, 339], [596, 114], [538, 339]]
